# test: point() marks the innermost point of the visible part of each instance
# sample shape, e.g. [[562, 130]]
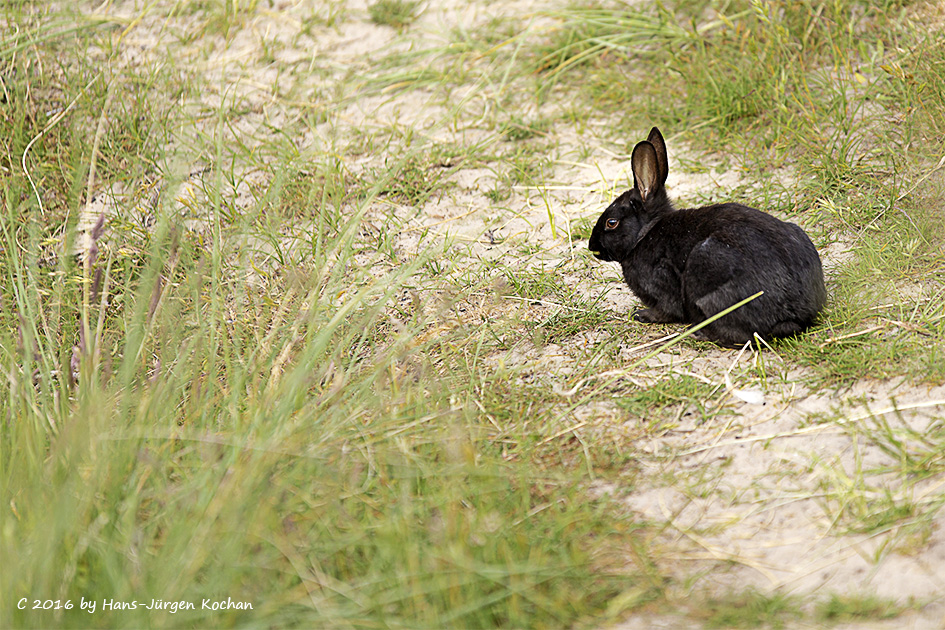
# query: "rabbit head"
[[628, 218]]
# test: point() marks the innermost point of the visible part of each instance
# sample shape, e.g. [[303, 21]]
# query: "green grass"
[[851, 608], [292, 386], [395, 13], [681, 391], [288, 453], [749, 609], [174, 430]]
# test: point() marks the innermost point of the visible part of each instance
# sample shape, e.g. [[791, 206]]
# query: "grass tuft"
[[750, 609], [396, 13], [847, 608]]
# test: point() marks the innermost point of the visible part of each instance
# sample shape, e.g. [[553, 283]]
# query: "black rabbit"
[[687, 265]]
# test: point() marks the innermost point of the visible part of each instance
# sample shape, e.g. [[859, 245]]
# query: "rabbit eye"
[[611, 224]]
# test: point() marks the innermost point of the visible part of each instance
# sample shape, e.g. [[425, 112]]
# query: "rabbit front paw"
[[652, 316]]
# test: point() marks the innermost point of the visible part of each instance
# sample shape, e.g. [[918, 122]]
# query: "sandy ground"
[[761, 507], [749, 499]]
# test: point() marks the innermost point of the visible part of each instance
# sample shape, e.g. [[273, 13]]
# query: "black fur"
[[687, 265]]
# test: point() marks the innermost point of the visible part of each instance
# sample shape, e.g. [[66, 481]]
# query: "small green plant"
[[416, 181], [681, 391], [517, 130], [396, 13], [847, 608], [749, 609]]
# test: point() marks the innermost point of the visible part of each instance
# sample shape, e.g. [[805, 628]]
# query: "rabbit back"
[[697, 262]]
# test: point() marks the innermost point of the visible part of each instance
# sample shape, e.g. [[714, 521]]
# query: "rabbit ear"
[[646, 169], [656, 139]]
